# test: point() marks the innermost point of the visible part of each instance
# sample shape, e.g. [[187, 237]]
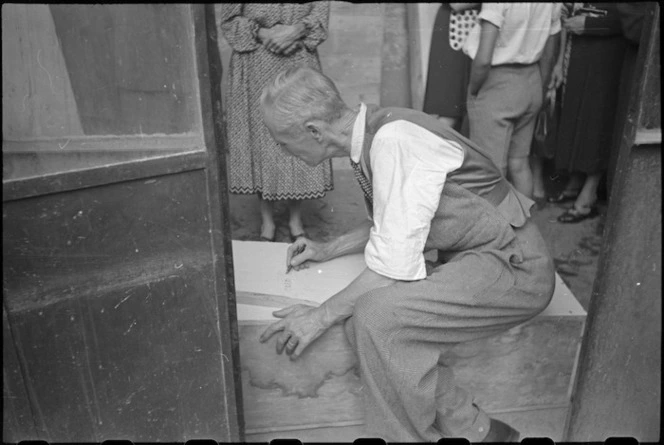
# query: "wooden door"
[[618, 390], [118, 301]]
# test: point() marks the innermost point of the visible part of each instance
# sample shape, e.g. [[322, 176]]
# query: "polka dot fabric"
[[460, 25]]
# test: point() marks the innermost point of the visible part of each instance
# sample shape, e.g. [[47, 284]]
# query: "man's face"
[[300, 144]]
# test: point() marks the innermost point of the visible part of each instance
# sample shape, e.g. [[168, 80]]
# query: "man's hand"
[[556, 77], [280, 38], [301, 252], [575, 25], [299, 327]]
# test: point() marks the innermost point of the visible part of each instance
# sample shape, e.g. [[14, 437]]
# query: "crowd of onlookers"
[[534, 85]]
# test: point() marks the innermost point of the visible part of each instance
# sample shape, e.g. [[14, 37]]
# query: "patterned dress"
[[257, 164]]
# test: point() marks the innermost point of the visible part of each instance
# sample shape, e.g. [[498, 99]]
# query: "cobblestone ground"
[[574, 247]]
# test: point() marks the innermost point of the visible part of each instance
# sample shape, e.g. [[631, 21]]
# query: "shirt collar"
[[357, 137]]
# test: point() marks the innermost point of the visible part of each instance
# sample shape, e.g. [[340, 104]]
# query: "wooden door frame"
[[618, 380], [210, 80]]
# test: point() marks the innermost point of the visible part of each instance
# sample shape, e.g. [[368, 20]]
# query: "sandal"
[[564, 196], [573, 215]]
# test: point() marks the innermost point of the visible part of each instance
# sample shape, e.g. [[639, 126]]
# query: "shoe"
[[304, 234], [501, 432], [574, 216], [564, 196]]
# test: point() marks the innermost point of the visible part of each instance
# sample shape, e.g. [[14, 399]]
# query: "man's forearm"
[[561, 46], [478, 74], [481, 65], [340, 306], [352, 242], [547, 59]]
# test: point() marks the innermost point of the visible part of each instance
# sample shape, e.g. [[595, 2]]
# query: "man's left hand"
[[299, 327]]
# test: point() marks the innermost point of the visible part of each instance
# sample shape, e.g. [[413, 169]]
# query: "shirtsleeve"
[[316, 24], [493, 13], [240, 32], [556, 15], [409, 165]]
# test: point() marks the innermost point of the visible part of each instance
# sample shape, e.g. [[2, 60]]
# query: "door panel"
[[117, 274]]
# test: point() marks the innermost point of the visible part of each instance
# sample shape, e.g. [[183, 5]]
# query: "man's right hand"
[[301, 252]]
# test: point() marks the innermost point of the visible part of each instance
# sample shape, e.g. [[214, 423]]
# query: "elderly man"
[[426, 187]]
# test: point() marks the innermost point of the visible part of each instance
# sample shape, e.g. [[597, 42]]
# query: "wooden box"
[[528, 367]]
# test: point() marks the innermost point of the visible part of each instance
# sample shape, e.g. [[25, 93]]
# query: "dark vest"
[[476, 194]]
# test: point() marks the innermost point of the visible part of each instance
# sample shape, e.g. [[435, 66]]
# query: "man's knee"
[[374, 311]]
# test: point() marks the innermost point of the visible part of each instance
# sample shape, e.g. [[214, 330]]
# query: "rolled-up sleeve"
[[410, 166], [556, 15], [493, 13]]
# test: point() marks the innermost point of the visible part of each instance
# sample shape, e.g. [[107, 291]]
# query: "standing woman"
[[267, 38], [590, 101], [513, 50], [449, 67]]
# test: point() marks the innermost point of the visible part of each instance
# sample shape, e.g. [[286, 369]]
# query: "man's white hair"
[[298, 95]]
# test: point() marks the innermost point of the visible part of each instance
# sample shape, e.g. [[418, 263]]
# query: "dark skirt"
[[448, 73], [586, 126]]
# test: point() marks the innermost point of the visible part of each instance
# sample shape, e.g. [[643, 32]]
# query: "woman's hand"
[[279, 38], [299, 326], [295, 47], [302, 251], [575, 25]]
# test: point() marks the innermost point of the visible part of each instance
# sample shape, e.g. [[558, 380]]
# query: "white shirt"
[[409, 165], [524, 30]]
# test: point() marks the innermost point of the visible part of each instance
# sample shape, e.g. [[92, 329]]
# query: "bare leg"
[[536, 165], [584, 206], [295, 220], [574, 184], [268, 227], [520, 175], [571, 190], [588, 195]]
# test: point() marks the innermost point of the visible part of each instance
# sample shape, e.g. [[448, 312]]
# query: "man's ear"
[[315, 130]]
